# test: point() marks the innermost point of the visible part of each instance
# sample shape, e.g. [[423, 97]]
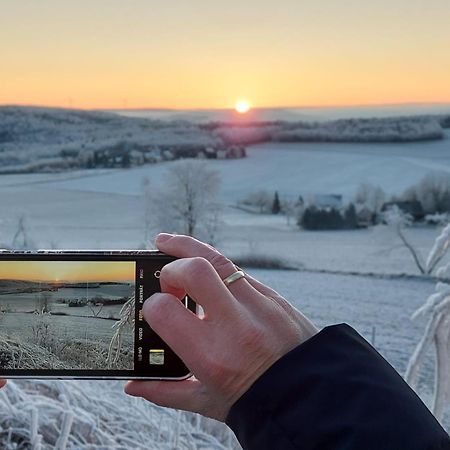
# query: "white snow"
[[103, 209]]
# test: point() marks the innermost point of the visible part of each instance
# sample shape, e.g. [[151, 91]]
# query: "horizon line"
[[253, 108]]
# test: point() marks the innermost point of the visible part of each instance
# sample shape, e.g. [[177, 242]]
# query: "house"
[[235, 152], [364, 216], [327, 201], [222, 154], [411, 207], [168, 155], [210, 153], [136, 158]]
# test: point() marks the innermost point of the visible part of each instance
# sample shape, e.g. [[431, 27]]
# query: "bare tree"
[[187, 203], [148, 209], [95, 308], [21, 239], [372, 197], [398, 221], [261, 199], [43, 302]]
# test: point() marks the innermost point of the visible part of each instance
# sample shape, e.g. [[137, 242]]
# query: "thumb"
[[183, 395]]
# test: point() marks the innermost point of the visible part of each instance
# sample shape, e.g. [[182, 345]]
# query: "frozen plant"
[[437, 331], [96, 415], [125, 322], [398, 220]]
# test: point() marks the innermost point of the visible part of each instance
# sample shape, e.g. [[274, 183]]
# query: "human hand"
[[246, 327], [2, 383]]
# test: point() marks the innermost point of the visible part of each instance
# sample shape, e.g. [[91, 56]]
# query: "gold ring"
[[233, 277]]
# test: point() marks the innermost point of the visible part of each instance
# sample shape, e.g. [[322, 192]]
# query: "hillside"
[[55, 140], [15, 286]]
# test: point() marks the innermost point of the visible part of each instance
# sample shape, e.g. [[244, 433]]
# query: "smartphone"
[[78, 314]]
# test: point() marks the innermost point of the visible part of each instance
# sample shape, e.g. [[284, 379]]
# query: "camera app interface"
[[68, 315]]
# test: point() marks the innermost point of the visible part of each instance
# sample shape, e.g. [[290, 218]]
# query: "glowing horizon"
[[205, 55], [67, 271]]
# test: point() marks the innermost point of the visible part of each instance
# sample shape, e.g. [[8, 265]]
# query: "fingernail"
[[163, 237]]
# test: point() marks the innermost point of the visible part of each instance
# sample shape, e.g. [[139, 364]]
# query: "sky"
[[73, 271], [186, 54]]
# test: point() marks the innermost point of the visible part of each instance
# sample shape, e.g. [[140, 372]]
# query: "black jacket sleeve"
[[335, 391]]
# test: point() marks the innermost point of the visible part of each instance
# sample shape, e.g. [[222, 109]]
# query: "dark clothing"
[[335, 391]]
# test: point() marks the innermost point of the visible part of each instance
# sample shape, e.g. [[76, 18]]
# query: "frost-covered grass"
[[97, 415]]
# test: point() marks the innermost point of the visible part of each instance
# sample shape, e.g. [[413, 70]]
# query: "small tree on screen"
[[43, 305]]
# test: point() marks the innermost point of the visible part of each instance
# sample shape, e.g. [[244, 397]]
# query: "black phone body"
[[70, 314]]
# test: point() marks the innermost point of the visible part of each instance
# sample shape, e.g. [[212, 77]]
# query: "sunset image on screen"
[[74, 271], [66, 313]]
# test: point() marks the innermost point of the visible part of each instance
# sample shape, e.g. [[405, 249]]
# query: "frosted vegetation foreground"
[[96, 415]]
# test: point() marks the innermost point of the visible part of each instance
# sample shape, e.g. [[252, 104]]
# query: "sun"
[[242, 106]]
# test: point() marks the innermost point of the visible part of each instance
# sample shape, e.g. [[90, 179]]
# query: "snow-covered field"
[[294, 169], [103, 209]]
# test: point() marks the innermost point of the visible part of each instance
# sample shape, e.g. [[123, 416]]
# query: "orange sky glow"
[[73, 271], [201, 54]]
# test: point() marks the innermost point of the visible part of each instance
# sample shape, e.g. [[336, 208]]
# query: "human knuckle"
[[183, 239], [166, 270], [198, 267], [219, 261]]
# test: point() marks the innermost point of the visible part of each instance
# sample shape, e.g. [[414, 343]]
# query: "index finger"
[[186, 246], [198, 279]]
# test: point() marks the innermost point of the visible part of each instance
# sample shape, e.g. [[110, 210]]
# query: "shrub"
[[256, 261], [314, 218], [433, 193]]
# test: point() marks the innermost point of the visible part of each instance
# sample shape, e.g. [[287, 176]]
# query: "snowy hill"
[[39, 139], [54, 140]]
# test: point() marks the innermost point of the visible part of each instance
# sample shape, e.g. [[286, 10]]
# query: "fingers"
[[197, 278], [281, 301], [179, 327], [184, 395], [2, 383], [189, 247], [262, 288]]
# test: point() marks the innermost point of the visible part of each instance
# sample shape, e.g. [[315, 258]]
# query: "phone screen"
[[81, 316]]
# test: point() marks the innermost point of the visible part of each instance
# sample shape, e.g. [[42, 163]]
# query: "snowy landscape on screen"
[[51, 198]]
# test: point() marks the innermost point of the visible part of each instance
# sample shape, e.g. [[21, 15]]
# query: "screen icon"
[[156, 357]]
